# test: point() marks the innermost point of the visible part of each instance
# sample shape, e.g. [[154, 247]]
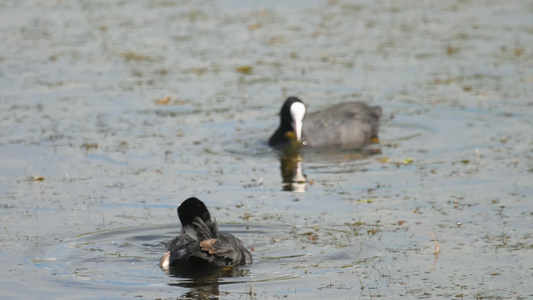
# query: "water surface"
[[112, 113]]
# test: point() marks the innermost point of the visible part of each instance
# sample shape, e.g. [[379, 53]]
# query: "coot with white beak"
[[352, 124]]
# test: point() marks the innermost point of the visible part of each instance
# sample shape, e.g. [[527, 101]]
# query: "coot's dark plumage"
[[200, 246], [353, 124]]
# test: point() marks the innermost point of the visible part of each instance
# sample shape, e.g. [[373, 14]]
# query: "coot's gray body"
[[352, 124]]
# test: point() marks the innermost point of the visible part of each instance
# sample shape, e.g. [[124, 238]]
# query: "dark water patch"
[[129, 256]]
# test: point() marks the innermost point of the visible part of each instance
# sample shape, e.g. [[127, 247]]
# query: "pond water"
[[114, 112]]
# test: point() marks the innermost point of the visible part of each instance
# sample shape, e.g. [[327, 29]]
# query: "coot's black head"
[[192, 208], [285, 112], [291, 118]]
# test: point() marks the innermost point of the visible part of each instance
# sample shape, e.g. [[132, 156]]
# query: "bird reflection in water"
[[291, 157], [291, 168], [205, 285]]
